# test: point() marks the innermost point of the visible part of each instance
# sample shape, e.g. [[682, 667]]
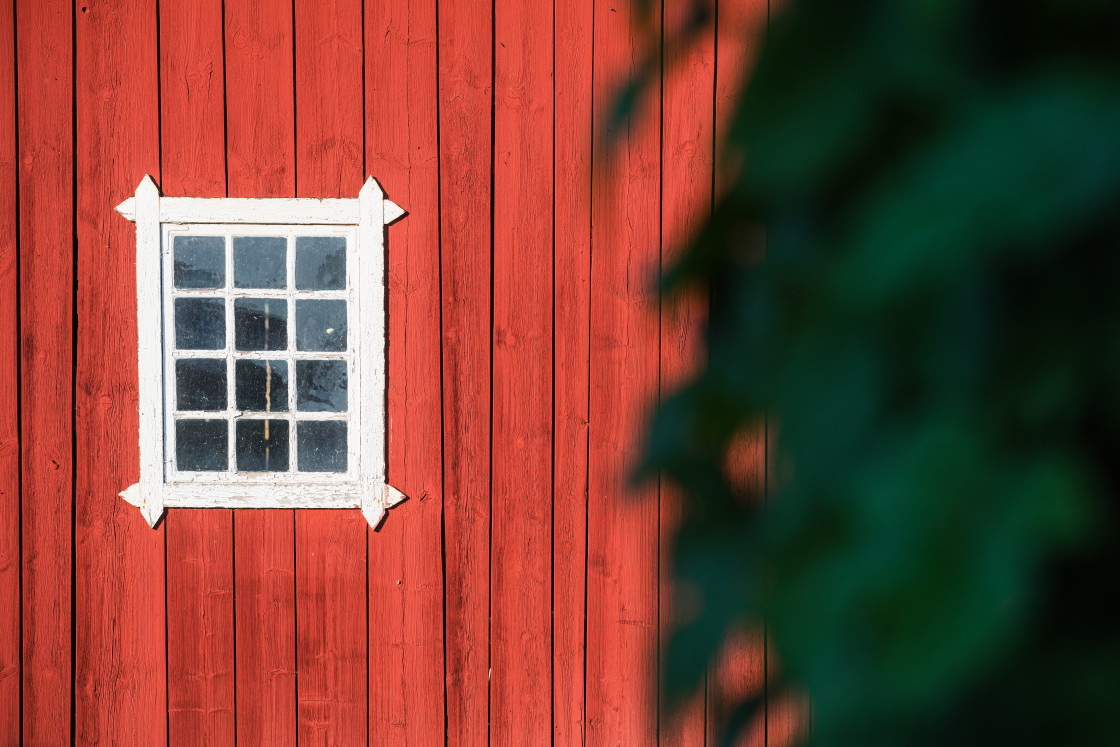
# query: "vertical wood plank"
[[623, 539], [260, 102], [10, 650], [406, 693], [192, 99], [521, 462], [735, 676], [465, 108], [120, 646], [331, 636], [787, 710], [200, 625], [260, 157], [264, 596], [572, 204], [740, 671], [46, 141], [331, 563], [687, 131], [740, 32]]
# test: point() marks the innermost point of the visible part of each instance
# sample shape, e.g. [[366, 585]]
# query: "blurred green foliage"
[[933, 338]]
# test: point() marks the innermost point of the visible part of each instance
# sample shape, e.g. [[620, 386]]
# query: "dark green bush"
[[934, 339]]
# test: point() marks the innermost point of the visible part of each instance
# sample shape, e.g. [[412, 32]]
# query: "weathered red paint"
[[120, 662], [574, 135], [521, 345], [331, 564], [46, 188], [622, 524], [406, 581], [465, 109], [10, 641], [201, 690], [687, 139]]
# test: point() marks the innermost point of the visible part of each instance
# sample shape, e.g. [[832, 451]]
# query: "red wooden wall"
[[518, 597]]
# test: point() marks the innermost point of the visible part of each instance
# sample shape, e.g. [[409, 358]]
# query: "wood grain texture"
[[521, 461], [46, 186], [192, 98], [406, 665], [260, 100], [10, 620], [260, 157], [331, 636], [465, 108], [740, 32], [264, 582], [687, 131], [572, 206], [200, 619], [623, 530], [736, 676], [120, 646], [331, 604], [200, 627]]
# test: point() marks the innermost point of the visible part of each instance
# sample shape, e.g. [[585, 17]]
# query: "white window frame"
[[362, 220]]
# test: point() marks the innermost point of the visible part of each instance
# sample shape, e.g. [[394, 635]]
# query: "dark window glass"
[[262, 445], [260, 323], [260, 262], [262, 386], [321, 386], [320, 263], [200, 384], [201, 445], [321, 325], [200, 262], [322, 445], [200, 323]]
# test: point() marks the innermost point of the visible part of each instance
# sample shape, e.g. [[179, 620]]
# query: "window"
[[261, 352]]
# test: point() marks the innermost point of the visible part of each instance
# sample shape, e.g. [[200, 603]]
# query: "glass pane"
[[260, 323], [200, 262], [201, 445], [320, 263], [321, 325], [200, 384], [200, 323], [262, 386], [260, 262], [262, 445], [321, 386], [322, 445]]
